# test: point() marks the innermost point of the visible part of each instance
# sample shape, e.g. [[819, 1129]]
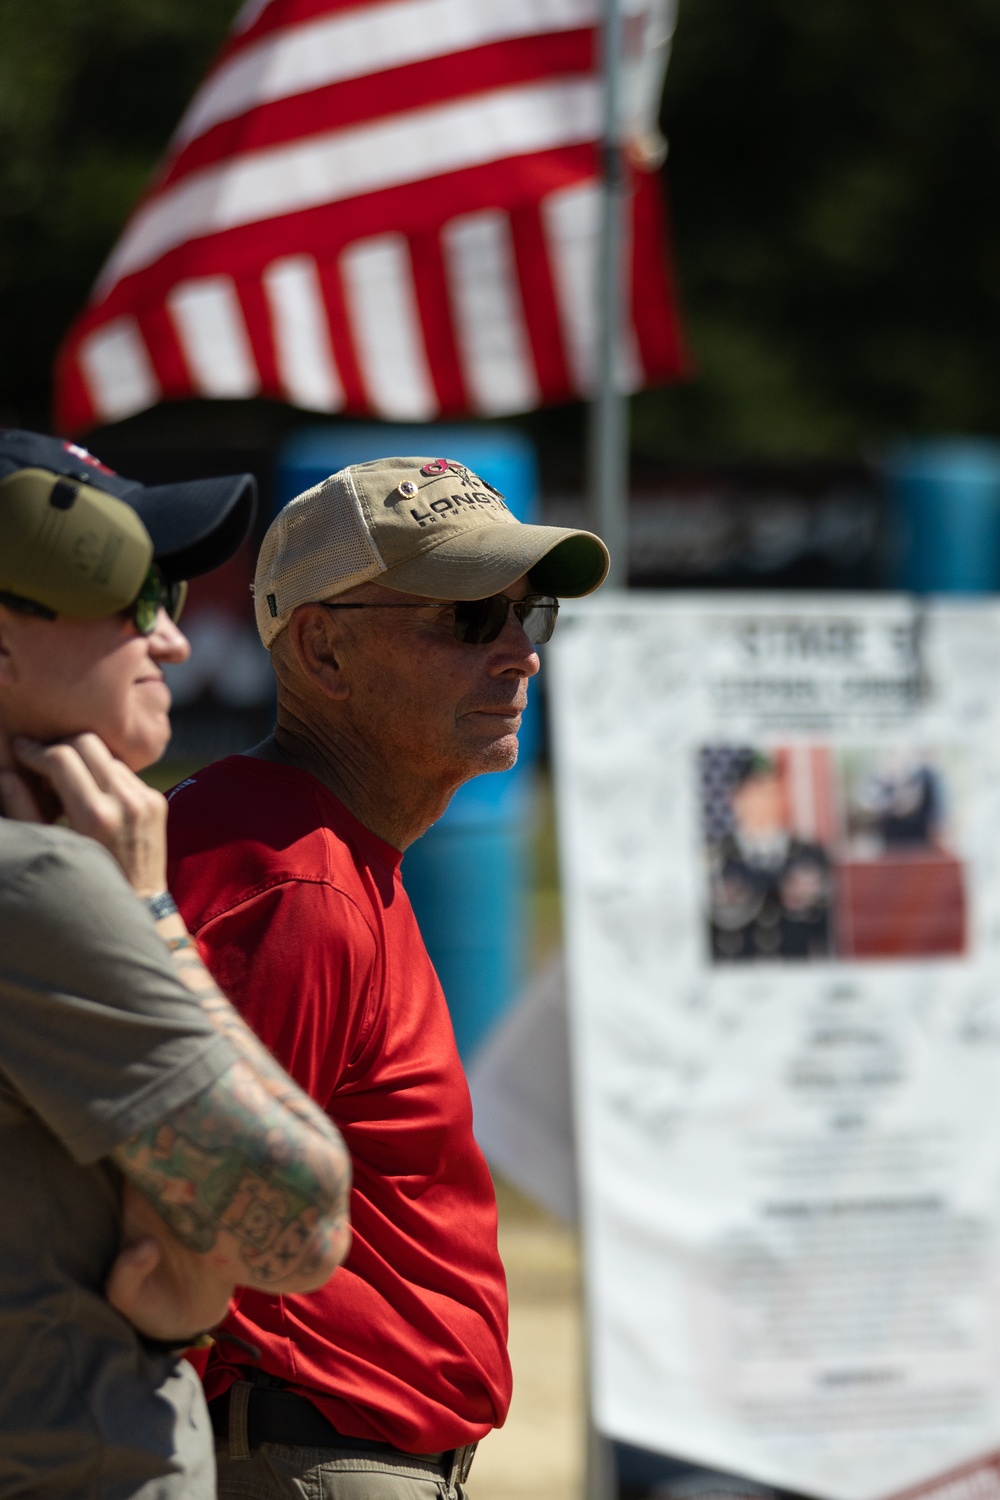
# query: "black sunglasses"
[[153, 596], [477, 622]]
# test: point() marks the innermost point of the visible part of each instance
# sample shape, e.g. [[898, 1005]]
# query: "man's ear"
[[313, 636]]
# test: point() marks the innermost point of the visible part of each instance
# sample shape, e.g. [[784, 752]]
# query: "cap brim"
[[477, 563], [197, 525]]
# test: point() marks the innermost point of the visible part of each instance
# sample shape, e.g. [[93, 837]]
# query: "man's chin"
[[479, 753], [140, 751], [501, 755]]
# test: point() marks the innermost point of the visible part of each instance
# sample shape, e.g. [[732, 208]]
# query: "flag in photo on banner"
[[386, 208]]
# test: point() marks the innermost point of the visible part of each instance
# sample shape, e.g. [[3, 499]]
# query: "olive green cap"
[[77, 539], [73, 549]]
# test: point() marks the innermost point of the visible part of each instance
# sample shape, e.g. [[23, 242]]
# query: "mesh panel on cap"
[[317, 546]]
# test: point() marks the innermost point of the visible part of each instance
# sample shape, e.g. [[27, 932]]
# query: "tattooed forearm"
[[233, 1161], [250, 1173]]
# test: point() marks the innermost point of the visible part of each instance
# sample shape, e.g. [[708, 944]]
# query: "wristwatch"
[[162, 905]]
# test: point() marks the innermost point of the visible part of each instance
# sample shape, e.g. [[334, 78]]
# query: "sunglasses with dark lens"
[[153, 596], [477, 622]]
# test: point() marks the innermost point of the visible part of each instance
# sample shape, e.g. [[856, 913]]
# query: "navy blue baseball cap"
[[194, 525]]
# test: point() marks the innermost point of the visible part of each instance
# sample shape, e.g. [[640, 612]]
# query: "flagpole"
[[608, 459], [608, 487]]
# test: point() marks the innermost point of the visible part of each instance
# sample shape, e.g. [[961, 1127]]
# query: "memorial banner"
[[780, 840]]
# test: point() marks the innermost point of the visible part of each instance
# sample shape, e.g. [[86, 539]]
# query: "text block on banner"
[[780, 838]]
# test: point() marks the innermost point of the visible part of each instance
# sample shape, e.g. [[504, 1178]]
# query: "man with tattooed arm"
[[153, 1155]]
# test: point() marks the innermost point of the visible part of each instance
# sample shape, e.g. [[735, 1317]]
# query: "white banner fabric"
[[780, 840]]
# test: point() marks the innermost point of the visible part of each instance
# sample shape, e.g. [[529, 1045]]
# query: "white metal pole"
[[608, 479]]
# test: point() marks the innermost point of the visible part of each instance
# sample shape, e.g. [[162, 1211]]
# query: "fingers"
[[87, 806], [103, 799], [6, 754], [89, 748], [166, 1292], [89, 779], [16, 800], [126, 1284], [101, 764]]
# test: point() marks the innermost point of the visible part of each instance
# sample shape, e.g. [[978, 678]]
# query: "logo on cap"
[[87, 458], [438, 466]]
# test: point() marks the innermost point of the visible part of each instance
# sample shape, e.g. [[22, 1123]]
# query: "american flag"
[[386, 208]]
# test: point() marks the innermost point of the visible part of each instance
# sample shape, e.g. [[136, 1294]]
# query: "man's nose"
[[515, 653], [168, 642]]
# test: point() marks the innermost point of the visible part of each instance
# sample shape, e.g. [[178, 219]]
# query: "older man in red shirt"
[[402, 603]]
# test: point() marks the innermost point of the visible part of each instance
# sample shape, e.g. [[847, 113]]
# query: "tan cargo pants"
[[276, 1472]]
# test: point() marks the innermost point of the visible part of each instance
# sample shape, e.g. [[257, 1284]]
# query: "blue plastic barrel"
[[945, 515], [467, 880], [468, 876]]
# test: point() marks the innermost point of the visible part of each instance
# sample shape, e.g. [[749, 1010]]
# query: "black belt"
[[277, 1416]]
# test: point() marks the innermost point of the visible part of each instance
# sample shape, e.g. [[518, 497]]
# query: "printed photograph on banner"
[[900, 878], [828, 853]]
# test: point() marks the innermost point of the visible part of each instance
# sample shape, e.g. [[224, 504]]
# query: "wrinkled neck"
[[388, 800]]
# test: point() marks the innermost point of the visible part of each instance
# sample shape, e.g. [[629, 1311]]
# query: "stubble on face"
[[447, 710]]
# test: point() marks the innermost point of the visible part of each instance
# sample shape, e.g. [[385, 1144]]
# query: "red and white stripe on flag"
[[387, 207]]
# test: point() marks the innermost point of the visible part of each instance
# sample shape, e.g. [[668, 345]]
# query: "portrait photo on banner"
[[831, 852]]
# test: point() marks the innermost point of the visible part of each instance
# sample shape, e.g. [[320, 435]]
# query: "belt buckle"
[[462, 1463]]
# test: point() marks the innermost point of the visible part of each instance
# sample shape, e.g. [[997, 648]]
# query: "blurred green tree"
[[89, 94], [833, 168]]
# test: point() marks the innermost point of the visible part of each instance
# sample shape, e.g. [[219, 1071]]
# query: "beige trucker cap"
[[421, 525]]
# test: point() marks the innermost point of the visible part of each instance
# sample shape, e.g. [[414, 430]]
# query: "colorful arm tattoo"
[[251, 1156], [235, 1159]]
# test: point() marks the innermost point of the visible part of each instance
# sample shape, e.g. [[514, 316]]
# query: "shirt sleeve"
[[299, 962], [98, 1037]]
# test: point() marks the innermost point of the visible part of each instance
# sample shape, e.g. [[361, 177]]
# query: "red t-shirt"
[[301, 915]]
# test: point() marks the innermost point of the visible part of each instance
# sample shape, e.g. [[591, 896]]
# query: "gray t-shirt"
[[98, 1039]]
